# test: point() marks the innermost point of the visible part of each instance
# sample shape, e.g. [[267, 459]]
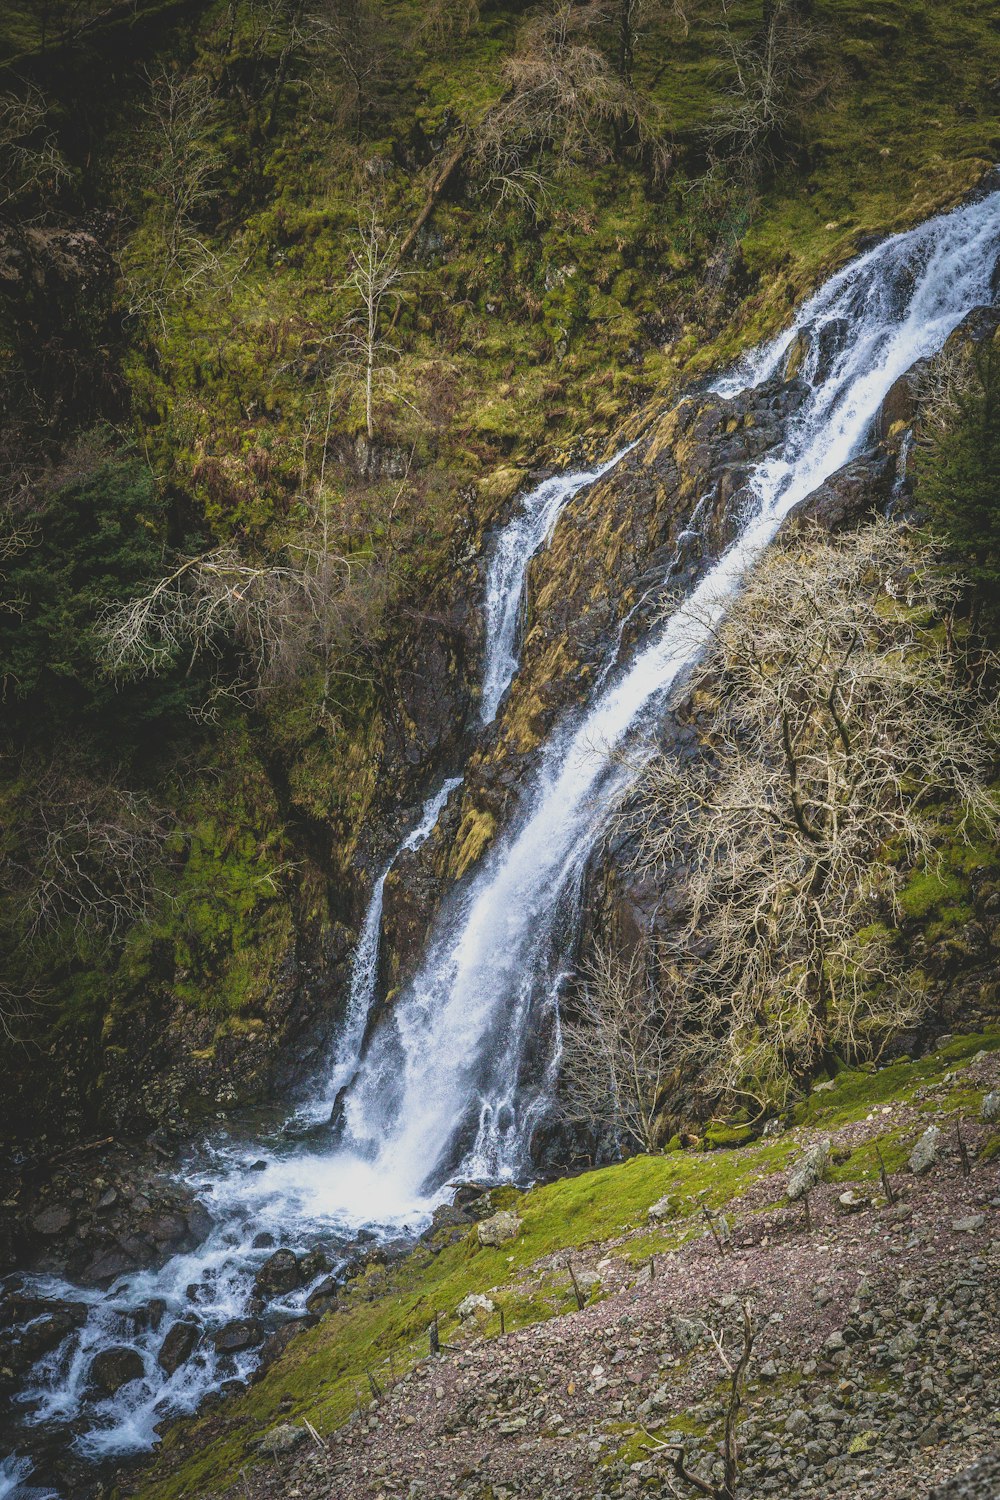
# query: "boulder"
[[499, 1228], [55, 1219], [475, 1306], [113, 1368], [282, 1439], [314, 1263], [663, 1208], [851, 1203], [279, 1275], [847, 496], [925, 1152], [179, 1344], [808, 1170], [233, 1338], [991, 1106]]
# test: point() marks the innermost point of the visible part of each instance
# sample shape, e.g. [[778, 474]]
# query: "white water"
[[458, 1073], [508, 569], [364, 971]]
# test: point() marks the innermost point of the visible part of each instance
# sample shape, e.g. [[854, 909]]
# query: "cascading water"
[[444, 1070], [449, 1083], [508, 570], [364, 971]]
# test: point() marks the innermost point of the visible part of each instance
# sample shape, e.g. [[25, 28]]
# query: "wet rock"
[[279, 1275], [847, 496], [313, 1264], [179, 1344], [263, 1241], [281, 1439], [276, 1343], [56, 1219], [446, 1216], [499, 1228], [109, 1264], [168, 1228], [113, 1368], [327, 1288], [925, 1152], [233, 1338]]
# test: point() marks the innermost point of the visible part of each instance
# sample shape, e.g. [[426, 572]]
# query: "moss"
[[930, 890]]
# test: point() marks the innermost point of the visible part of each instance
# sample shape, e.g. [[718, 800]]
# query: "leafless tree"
[[31, 163], [301, 611], [772, 80], [445, 19], [561, 95], [726, 1488], [367, 353], [171, 257], [616, 1054], [85, 854], [839, 711], [352, 33]]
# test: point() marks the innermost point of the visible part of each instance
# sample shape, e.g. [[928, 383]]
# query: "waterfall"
[[444, 1069], [508, 569], [460, 1067], [364, 971]]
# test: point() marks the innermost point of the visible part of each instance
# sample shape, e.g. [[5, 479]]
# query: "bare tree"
[[772, 80], [352, 33], [726, 1488], [85, 855], [616, 1054], [839, 711], [302, 611], [367, 352], [172, 257], [445, 19], [561, 94], [31, 163]]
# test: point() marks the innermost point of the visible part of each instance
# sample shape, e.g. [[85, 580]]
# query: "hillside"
[[499, 546]]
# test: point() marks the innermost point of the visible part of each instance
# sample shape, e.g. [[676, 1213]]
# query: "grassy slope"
[[389, 1309]]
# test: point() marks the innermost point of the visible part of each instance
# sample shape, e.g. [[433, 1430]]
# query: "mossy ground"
[[387, 1313]]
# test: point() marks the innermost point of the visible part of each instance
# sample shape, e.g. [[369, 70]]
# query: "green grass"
[[390, 1308]]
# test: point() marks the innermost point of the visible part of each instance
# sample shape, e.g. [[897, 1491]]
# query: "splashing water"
[[459, 1071]]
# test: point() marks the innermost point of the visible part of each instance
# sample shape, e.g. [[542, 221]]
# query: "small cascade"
[[507, 572], [364, 971], [462, 1065]]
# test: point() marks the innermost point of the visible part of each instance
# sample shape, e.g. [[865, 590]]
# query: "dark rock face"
[[179, 1344], [858, 489], [113, 1368], [279, 1275], [241, 1334]]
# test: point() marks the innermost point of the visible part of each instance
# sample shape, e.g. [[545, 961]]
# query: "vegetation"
[[216, 401], [839, 710], [958, 469], [382, 1325]]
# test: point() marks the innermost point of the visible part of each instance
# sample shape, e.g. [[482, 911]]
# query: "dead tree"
[[726, 1490]]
